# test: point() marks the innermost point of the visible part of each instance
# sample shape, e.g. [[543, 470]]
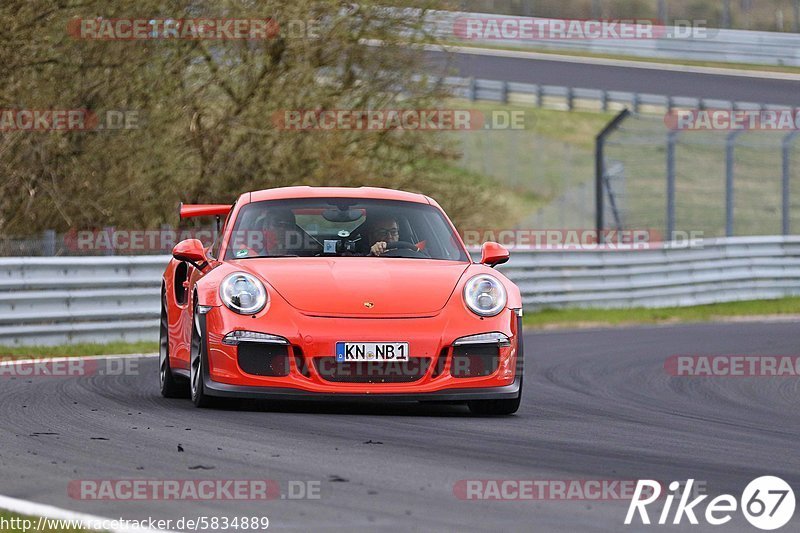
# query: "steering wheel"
[[401, 245], [401, 248]]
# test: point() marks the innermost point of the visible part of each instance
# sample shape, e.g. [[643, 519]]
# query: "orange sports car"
[[339, 294]]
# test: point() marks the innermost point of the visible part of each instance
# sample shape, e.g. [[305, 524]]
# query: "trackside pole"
[[600, 168]]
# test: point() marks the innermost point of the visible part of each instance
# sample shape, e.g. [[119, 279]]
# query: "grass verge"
[[545, 319], [552, 156], [575, 318], [77, 350]]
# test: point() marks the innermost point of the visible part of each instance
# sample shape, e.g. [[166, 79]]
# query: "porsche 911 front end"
[[338, 316]]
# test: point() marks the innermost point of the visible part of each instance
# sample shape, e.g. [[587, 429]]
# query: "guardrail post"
[[473, 90], [570, 98], [672, 139], [636, 102], [49, 242], [786, 167], [540, 95], [604, 100], [730, 146], [600, 169], [504, 92]]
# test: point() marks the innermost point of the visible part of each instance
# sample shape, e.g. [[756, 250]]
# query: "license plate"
[[371, 351]]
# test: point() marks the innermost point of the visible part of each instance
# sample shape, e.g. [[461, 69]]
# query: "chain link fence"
[[717, 183]]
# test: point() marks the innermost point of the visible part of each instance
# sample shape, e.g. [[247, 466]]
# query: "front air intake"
[[474, 360], [263, 359]]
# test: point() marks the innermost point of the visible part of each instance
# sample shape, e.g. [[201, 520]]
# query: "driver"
[[276, 226], [382, 231]]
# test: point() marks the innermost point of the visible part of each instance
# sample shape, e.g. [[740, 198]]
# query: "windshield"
[[337, 227]]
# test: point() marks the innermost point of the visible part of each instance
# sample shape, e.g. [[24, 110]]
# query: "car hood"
[[360, 286]]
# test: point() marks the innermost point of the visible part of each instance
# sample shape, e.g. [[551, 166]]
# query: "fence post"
[[49, 242], [796, 18], [110, 231], [662, 12], [672, 138], [786, 166], [730, 146], [600, 169], [726, 14]]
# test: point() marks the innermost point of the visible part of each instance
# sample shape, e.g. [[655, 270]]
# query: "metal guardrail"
[[56, 300], [571, 98], [721, 270], [101, 299], [729, 46]]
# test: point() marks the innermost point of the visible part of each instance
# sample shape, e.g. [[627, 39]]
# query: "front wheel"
[[504, 407], [198, 395], [496, 407], [171, 387]]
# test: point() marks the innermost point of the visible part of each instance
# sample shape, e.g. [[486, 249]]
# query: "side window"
[[181, 275]]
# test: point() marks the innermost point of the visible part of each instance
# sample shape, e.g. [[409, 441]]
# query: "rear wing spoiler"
[[203, 210]]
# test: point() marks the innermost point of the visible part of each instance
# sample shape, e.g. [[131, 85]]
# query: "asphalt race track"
[[597, 405], [619, 78]]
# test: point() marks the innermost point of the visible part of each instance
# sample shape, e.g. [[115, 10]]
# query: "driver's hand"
[[378, 248]]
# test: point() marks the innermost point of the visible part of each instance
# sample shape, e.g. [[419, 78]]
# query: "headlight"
[[243, 293], [485, 295]]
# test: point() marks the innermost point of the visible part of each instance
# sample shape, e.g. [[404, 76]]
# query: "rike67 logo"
[[767, 503]]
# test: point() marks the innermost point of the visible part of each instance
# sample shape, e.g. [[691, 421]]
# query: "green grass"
[[552, 156], [77, 350], [34, 521], [549, 318], [548, 168]]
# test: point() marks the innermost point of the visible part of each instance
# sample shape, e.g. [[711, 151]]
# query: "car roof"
[[372, 193]]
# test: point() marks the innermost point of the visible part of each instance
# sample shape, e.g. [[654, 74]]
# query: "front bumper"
[[506, 392], [313, 338]]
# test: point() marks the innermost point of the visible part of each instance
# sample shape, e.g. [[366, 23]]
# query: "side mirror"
[[493, 254], [191, 251]]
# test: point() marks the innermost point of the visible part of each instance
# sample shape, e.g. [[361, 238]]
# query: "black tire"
[[503, 407], [197, 367], [496, 407], [170, 385]]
